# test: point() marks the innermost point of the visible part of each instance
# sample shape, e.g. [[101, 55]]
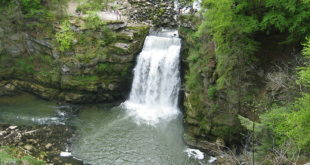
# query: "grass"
[[12, 155]]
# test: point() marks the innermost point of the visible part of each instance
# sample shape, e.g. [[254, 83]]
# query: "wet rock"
[[48, 146], [34, 141], [15, 49], [2, 133], [12, 127], [111, 86], [122, 45], [28, 147], [17, 37], [8, 89], [65, 69], [44, 92], [43, 43], [117, 25], [30, 47], [41, 141], [154, 11], [55, 54]]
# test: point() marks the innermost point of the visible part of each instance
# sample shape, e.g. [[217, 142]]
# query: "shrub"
[[65, 37]]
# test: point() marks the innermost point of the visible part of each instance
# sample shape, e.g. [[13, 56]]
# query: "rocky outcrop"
[[159, 13], [41, 141], [93, 70], [210, 114]]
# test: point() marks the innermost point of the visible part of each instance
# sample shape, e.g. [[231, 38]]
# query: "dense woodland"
[[278, 129]]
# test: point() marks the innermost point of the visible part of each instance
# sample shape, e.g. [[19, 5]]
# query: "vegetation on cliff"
[[244, 59], [64, 56]]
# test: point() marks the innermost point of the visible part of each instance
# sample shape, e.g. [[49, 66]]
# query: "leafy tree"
[[290, 16]]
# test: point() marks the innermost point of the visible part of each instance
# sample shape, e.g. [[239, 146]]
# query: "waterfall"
[[156, 83]]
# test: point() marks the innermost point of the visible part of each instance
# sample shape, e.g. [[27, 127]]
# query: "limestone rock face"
[[91, 71], [156, 12]]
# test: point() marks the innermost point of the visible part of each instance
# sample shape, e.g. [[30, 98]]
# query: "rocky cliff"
[[95, 67]]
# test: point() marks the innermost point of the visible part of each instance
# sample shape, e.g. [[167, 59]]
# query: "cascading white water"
[[156, 84]]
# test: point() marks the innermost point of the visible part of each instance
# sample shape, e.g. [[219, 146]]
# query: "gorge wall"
[[83, 59], [80, 60]]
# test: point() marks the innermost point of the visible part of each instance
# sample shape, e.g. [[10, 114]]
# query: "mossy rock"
[[42, 91], [81, 83], [226, 126], [50, 78]]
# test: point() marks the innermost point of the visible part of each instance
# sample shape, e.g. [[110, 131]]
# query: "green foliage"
[[245, 17], [86, 57], [290, 123], [92, 5], [25, 65], [97, 32], [212, 93], [11, 155], [31, 7], [233, 27], [233, 24], [84, 80], [288, 126], [92, 21], [232, 31], [290, 16], [304, 73], [104, 68], [36, 16], [248, 124], [65, 37]]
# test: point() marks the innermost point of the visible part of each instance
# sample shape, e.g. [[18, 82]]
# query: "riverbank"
[[44, 142]]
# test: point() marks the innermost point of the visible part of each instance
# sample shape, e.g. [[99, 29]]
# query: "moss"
[[117, 50], [123, 38], [13, 155], [82, 83], [139, 30], [205, 125], [212, 93], [49, 77], [114, 69], [161, 11], [86, 57], [226, 126], [105, 68]]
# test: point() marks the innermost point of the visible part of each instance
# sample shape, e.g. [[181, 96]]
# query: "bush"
[[288, 126], [65, 37], [11, 155]]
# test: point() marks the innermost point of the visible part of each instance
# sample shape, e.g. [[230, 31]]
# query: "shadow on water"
[[27, 109]]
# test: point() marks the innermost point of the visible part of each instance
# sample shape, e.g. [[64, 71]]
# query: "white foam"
[[194, 153], [212, 159], [197, 5], [156, 84], [65, 154], [150, 114]]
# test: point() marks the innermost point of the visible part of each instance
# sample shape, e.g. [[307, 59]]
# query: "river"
[[147, 129]]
